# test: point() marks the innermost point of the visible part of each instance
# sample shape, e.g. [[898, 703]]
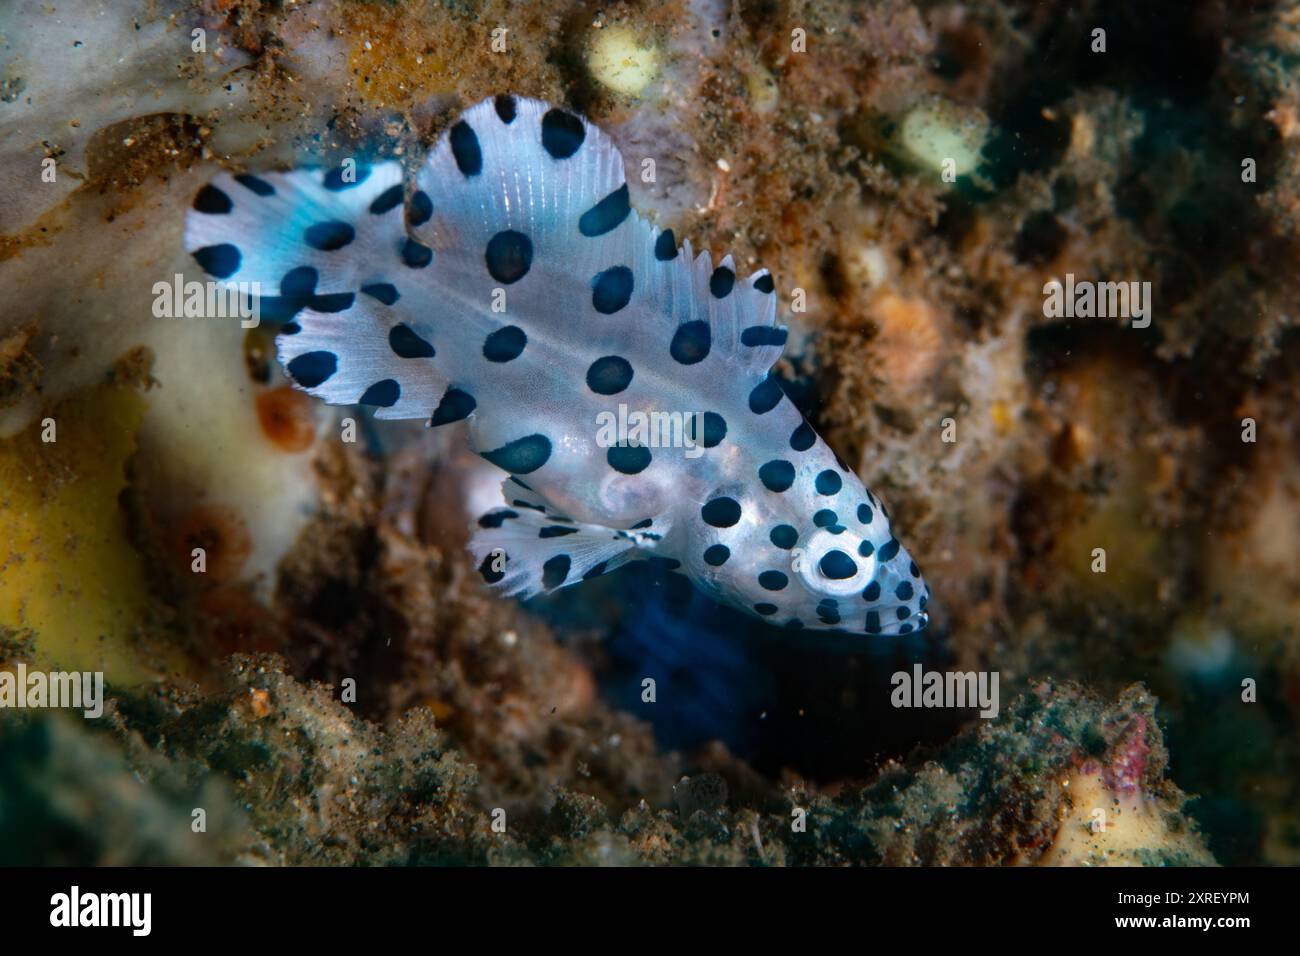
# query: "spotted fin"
[[529, 203], [518, 235], [331, 256], [339, 222], [523, 551]]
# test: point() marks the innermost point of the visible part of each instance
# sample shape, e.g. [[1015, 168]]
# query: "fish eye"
[[837, 565], [834, 564]]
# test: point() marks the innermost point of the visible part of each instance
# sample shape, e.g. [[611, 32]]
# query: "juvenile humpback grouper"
[[514, 286]]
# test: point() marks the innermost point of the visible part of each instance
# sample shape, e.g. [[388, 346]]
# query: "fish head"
[[821, 554]]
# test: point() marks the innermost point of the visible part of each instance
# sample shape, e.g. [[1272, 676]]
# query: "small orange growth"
[[286, 418], [441, 710], [259, 703], [909, 341], [222, 535]]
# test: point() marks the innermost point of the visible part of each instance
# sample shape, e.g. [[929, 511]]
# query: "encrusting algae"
[[339, 686]]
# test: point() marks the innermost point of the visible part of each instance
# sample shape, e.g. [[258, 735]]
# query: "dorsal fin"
[[529, 187], [395, 306], [246, 228], [325, 246]]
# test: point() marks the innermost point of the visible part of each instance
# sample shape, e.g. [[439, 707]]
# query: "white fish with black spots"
[[513, 285]]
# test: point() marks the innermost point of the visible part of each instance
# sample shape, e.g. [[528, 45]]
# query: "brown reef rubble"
[[919, 311]]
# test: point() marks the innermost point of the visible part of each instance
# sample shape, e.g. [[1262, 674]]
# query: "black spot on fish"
[[388, 200], [871, 592], [333, 301], [628, 459], [313, 368], [555, 571], [721, 282], [691, 342], [888, 550], [777, 475], [259, 186], [421, 208], [904, 591], [509, 256], [556, 531], [765, 609], [829, 483], [609, 375], [828, 613], [505, 344], [765, 396], [406, 344], [765, 284], [505, 107], [385, 292], [866, 549], [784, 536], [666, 246], [329, 236], [521, 456], [758, 335], [212, 201], [865, 515], [825, 518], [465, 149], [773, 580], [716, 555], [803, 437], [494, 519], [336, 181], [416, 255], [611, 290], [715, 429], [562, 133], [486, 569], [383, 394], [297, 291], [221, 260], [606, 215], [722, 512]]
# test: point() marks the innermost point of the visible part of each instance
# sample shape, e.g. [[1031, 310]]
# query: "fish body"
[[514, 286]]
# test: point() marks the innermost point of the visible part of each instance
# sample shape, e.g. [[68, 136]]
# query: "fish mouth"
[[897, 598], [878, 624]]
